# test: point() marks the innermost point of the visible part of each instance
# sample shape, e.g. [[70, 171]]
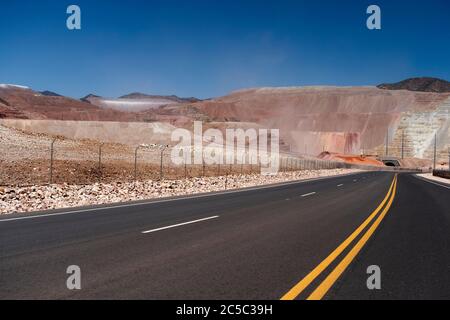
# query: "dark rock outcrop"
[[424, 84]]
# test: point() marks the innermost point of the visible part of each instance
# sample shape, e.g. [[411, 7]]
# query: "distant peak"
[[49, 93], [89, 96], [174, 98], [135, 95], [423, 84]]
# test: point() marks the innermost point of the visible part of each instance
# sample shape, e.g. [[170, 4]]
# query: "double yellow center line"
[[326, 284]]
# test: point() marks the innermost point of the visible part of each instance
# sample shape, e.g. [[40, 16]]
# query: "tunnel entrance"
[[389, 164]]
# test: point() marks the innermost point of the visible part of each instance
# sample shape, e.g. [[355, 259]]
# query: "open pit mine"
[[355, 124]]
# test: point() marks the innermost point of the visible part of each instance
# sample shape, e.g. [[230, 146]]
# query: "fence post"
[[161, 164], [434, 152], [168, 167], [226, 180], [100, 163], [259, 165], [135, 163], [51, 161]]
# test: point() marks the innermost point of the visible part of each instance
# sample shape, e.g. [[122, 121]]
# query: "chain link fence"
[[58, 160]]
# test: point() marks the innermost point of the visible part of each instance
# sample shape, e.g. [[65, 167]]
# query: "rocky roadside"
[[36, 198]]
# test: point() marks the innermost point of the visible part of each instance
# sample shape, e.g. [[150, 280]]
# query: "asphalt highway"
[[306, 240]]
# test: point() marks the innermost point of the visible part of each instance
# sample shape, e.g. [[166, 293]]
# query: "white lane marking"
[[308, 194], [355, 180], [179, 224], [114, 206], [340, 185], [426, 180]]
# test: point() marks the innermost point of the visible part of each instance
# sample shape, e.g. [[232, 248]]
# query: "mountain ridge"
[[419, 84]]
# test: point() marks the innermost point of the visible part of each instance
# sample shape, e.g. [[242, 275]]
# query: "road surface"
[[308, 240]]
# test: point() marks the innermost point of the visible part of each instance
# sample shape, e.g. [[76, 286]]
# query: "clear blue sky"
[[208, 48]]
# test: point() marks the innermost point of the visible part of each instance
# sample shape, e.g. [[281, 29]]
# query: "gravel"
[[37, 198]]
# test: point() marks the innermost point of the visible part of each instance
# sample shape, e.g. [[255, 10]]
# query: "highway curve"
[[306, 240]]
